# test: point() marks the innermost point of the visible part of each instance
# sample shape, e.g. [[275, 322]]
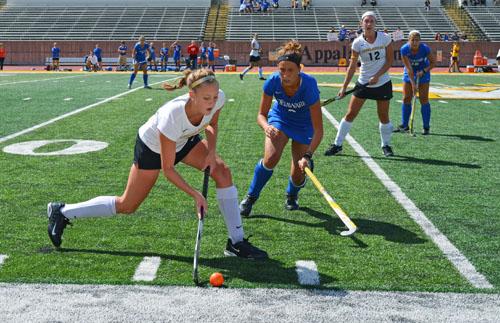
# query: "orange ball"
[[216, 279]]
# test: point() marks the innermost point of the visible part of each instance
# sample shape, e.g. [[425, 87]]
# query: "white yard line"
[[146, 271], [49, 79], [307, 272], [450, 251], [46, 123]]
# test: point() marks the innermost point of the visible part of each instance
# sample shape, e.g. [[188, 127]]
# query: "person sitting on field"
[[92, 63]]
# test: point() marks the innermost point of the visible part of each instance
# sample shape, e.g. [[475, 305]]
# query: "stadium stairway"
[[217, 20], [463, 21]]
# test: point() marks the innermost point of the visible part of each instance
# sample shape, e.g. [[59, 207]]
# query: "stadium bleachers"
[[102, 23], [313, 24], [488, 19]]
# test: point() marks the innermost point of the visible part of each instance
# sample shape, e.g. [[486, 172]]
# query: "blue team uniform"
[[152, 54], [123, 50], [164, 54], [98, 52], [56, 51], [211, 55], [203, 53], [291, 114], [140, 53], [177, 52], [418, 62]]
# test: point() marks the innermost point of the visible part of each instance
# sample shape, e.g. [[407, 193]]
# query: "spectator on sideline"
[[276, 4], [92, 63], [343, 33], [294, 4], [454, 59], [98, 54], [164, 57], [265, 5], [152, 58], [373, 3], [193, 51], [446, 37], [56, 55], [177, 55], [3, 54], [122, 56], [437, 37], [140, 53], [427, 5], [363, 3]]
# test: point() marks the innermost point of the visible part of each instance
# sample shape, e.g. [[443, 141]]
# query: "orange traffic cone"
[[478, 58]]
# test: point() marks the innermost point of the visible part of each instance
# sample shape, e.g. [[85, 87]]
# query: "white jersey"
[[93, 59], [255, 48], [372, 57], [171, 120]]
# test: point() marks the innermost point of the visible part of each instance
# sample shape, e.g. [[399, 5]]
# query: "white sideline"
[[49, 79], [46, 123], [450, 251], [146, 271], [307, 272], [2, 259]]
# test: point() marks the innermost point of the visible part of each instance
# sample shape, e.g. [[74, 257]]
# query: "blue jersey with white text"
[[97, 52], [177, 52], [56, 51], [164, 52], [418, 61], [123, 50], [211, 55], [140, 52]]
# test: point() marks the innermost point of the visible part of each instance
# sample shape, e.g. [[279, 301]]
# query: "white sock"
[[344, 128], [260, 72], [246, 70], [100, 206], [228, 206], [385, 133]]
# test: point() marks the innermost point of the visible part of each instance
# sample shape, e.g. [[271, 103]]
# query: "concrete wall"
[[315, 54]]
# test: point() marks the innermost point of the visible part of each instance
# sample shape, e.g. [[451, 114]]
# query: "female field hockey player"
[[454, 59], [140, 53], [254, 58], [374, 49], [203, 55], [177, 55], [211, 56], [419, 61], [171, 136], [296, 114]]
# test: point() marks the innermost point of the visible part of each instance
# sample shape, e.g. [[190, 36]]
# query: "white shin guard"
[[228, 206]]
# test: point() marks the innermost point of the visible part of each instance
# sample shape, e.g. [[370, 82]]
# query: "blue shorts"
[[301, 135], [426, 78], [140, 62]]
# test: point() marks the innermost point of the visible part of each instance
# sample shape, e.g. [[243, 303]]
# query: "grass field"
[[452, 176]]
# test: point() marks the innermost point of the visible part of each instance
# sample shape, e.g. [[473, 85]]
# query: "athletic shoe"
[[387, 151], [262, 78], [241, 77], [426, 131], [129, 86], [246, 205], [401, 128], [147, 87], [244, 249], [57, 223], [291, 203], [333, 150]]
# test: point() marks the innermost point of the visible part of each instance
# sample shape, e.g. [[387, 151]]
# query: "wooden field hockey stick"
[[197, 245], [333, 204], [413, 108]]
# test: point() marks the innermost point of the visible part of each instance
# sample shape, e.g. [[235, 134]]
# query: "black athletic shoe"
[[426, 131], [401, 128], [262, 78], [387, 151], [244, 249], [147, 87], [57, 223], [246, 205], [241, 77], [333, 150], [291, 203]]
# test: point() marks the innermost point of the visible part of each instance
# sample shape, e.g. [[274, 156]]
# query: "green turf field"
[[453, 177]]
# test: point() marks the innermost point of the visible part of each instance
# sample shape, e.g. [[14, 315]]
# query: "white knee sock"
[[100, 206], [385, 133], [228, 206], [344, 128]]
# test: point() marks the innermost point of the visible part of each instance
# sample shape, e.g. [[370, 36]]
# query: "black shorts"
[[145, 158], [55, 60], [454, 59], [254, 58], [99, 59], [381, 93]]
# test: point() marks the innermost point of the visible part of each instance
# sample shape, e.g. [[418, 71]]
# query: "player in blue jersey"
[[419, 61], [122, 56], [56, 54], [152, 58], [98, 54], [177, 55], [203, 55], [296, 115], [141, 51], [164, 57], [211, 55]]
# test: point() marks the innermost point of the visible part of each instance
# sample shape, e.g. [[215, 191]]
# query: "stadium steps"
[[487, 19], [217, 21], [465, 23]]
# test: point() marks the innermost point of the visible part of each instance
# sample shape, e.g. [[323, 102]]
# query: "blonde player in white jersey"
[[170, 136], [374, 49], [254, 58]]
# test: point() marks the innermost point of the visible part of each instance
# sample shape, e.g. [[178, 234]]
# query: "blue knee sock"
[[405, 114], [260, 177], [293, 189], [145, 78], [426, 115], [132, 78]]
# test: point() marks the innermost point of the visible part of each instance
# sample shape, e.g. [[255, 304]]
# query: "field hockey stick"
[[413, 108], [338, 97], [336, 208], [197, 245]]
